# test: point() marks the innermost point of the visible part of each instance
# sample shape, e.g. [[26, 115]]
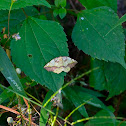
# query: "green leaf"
[[9, 73], [62, 12], [40, 42], [89, 35], [89, 4], [44, 115], [22, 3], [113, 76], [72, 96], [15, 21], [99, 121]]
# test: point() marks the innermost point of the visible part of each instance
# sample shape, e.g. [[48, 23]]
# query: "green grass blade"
[[9, 73]]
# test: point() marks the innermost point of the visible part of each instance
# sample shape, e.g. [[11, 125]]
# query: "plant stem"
[[9, 15], [55, 117], [76, 109], [24, 13], [89, 118], [33, 97]]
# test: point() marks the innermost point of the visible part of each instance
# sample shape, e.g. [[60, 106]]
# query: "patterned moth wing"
[[59, 64]]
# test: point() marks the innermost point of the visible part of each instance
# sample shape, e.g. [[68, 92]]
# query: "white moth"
[[59, 64]]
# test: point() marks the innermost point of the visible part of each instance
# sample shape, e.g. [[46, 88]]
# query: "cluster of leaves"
[[98, 33]]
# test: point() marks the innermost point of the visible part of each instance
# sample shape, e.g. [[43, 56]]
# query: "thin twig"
[[35, 109], [26, 102], [9, 15], [91, 118], [24, 12], [9, 109], [73, 5]]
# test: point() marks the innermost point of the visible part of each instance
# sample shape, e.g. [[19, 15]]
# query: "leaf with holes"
[[40, 42], [89, 35], [21, 4]]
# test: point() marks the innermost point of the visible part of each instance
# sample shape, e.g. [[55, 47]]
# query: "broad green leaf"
[[99, 121], [62, 13], [112, 77], [5, 4], [89, 4], [40, 42], [89, 35], [76, 100], [44, 115], [121, 20], [9, 73], [16, 18]]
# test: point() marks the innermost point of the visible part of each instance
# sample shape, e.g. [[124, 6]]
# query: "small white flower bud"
[[29, 110], [16, 36], [18, 70], [10, 120]]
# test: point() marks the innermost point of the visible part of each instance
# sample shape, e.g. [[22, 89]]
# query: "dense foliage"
[[37, 31]]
